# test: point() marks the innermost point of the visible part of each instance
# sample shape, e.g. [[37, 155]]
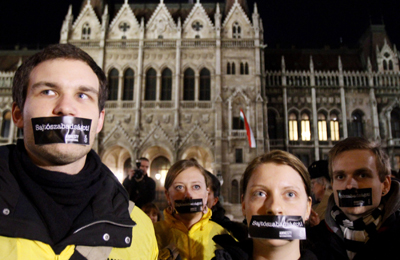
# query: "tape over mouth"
[[189, 206], [61, 129], [355, 197], [277, 227]]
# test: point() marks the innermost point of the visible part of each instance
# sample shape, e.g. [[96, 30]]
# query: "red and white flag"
[[250, 135]]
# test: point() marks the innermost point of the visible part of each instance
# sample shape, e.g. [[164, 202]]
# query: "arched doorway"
[[201, 155], [118, 159], [158, 171]]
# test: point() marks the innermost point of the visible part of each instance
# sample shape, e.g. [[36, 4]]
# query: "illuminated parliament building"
[[179, 73]]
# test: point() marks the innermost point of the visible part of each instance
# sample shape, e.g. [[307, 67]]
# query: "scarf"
[[356, 233], [58, 197]]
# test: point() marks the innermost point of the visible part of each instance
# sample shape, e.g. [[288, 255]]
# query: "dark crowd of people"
[[59, 201]]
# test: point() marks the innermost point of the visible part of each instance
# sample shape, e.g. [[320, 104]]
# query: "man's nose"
[[65, 106], [351, 183]]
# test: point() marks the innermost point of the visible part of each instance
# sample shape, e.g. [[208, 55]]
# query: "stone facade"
[[179, 75]]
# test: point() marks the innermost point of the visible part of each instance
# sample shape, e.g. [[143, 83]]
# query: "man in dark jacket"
[[141, 188], [362, 218], [57, 199]]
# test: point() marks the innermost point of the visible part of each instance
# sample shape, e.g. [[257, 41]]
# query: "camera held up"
[[138, 174]]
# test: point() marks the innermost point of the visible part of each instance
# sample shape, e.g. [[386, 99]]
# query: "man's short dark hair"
[[359, 143], [52, 52], [144, 159]]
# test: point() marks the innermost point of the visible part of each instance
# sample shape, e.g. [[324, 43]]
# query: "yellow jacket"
[[196, 243], [143, 245]]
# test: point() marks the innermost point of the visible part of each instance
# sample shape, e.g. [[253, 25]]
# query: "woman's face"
[[189, 184], [275, 189]]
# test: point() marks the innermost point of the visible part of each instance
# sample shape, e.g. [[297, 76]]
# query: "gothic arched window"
[[151, 85], [395, 123], [166, 84], [188, 84], [86, 31], [293, 132], [322, 128], [113, 78], [334, 124], [129, 79], [305, 127], [205, 85], [228, 68], [357, 123], [236, 31], [272, 127]]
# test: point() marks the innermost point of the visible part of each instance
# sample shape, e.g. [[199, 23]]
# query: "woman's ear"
[[243, 206], [309, 207], [167, 196]]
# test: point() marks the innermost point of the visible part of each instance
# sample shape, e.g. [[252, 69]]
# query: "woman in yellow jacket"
[[187, 229]]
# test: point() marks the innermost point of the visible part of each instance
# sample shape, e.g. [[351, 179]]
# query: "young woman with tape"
[[276, 202], [187, 230]]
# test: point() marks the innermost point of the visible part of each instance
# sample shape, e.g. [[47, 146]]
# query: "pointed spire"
[[179, 22], [88, 2], [126, 2], [311, 64], [69, 11], [369, 64], [255, 8], [218, 11], [105, 10], [340, 64], [283, 64]]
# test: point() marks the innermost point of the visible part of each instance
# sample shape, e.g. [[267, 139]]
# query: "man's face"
[[60, 87], [144, 165], [212, 200], [318, 189], [356, 169]]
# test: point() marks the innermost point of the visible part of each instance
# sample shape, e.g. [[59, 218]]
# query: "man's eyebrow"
[[42, 84], [88, 89]]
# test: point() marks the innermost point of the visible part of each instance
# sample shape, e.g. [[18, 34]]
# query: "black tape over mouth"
[[355, 197], [189, 206], [61, 129], [277, 227]]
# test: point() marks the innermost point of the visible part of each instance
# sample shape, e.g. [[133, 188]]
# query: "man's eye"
[[197, 187], [83, 96], [338, 177], [48, 92]]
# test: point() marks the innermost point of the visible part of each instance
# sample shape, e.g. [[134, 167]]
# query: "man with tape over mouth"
[[362, 217], [58, 200]]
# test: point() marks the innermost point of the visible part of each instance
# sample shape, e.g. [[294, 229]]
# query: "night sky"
[[287, 23]]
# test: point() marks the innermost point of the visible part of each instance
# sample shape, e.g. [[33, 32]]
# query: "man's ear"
[[17, 115], [101, 121], [386, 185]]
